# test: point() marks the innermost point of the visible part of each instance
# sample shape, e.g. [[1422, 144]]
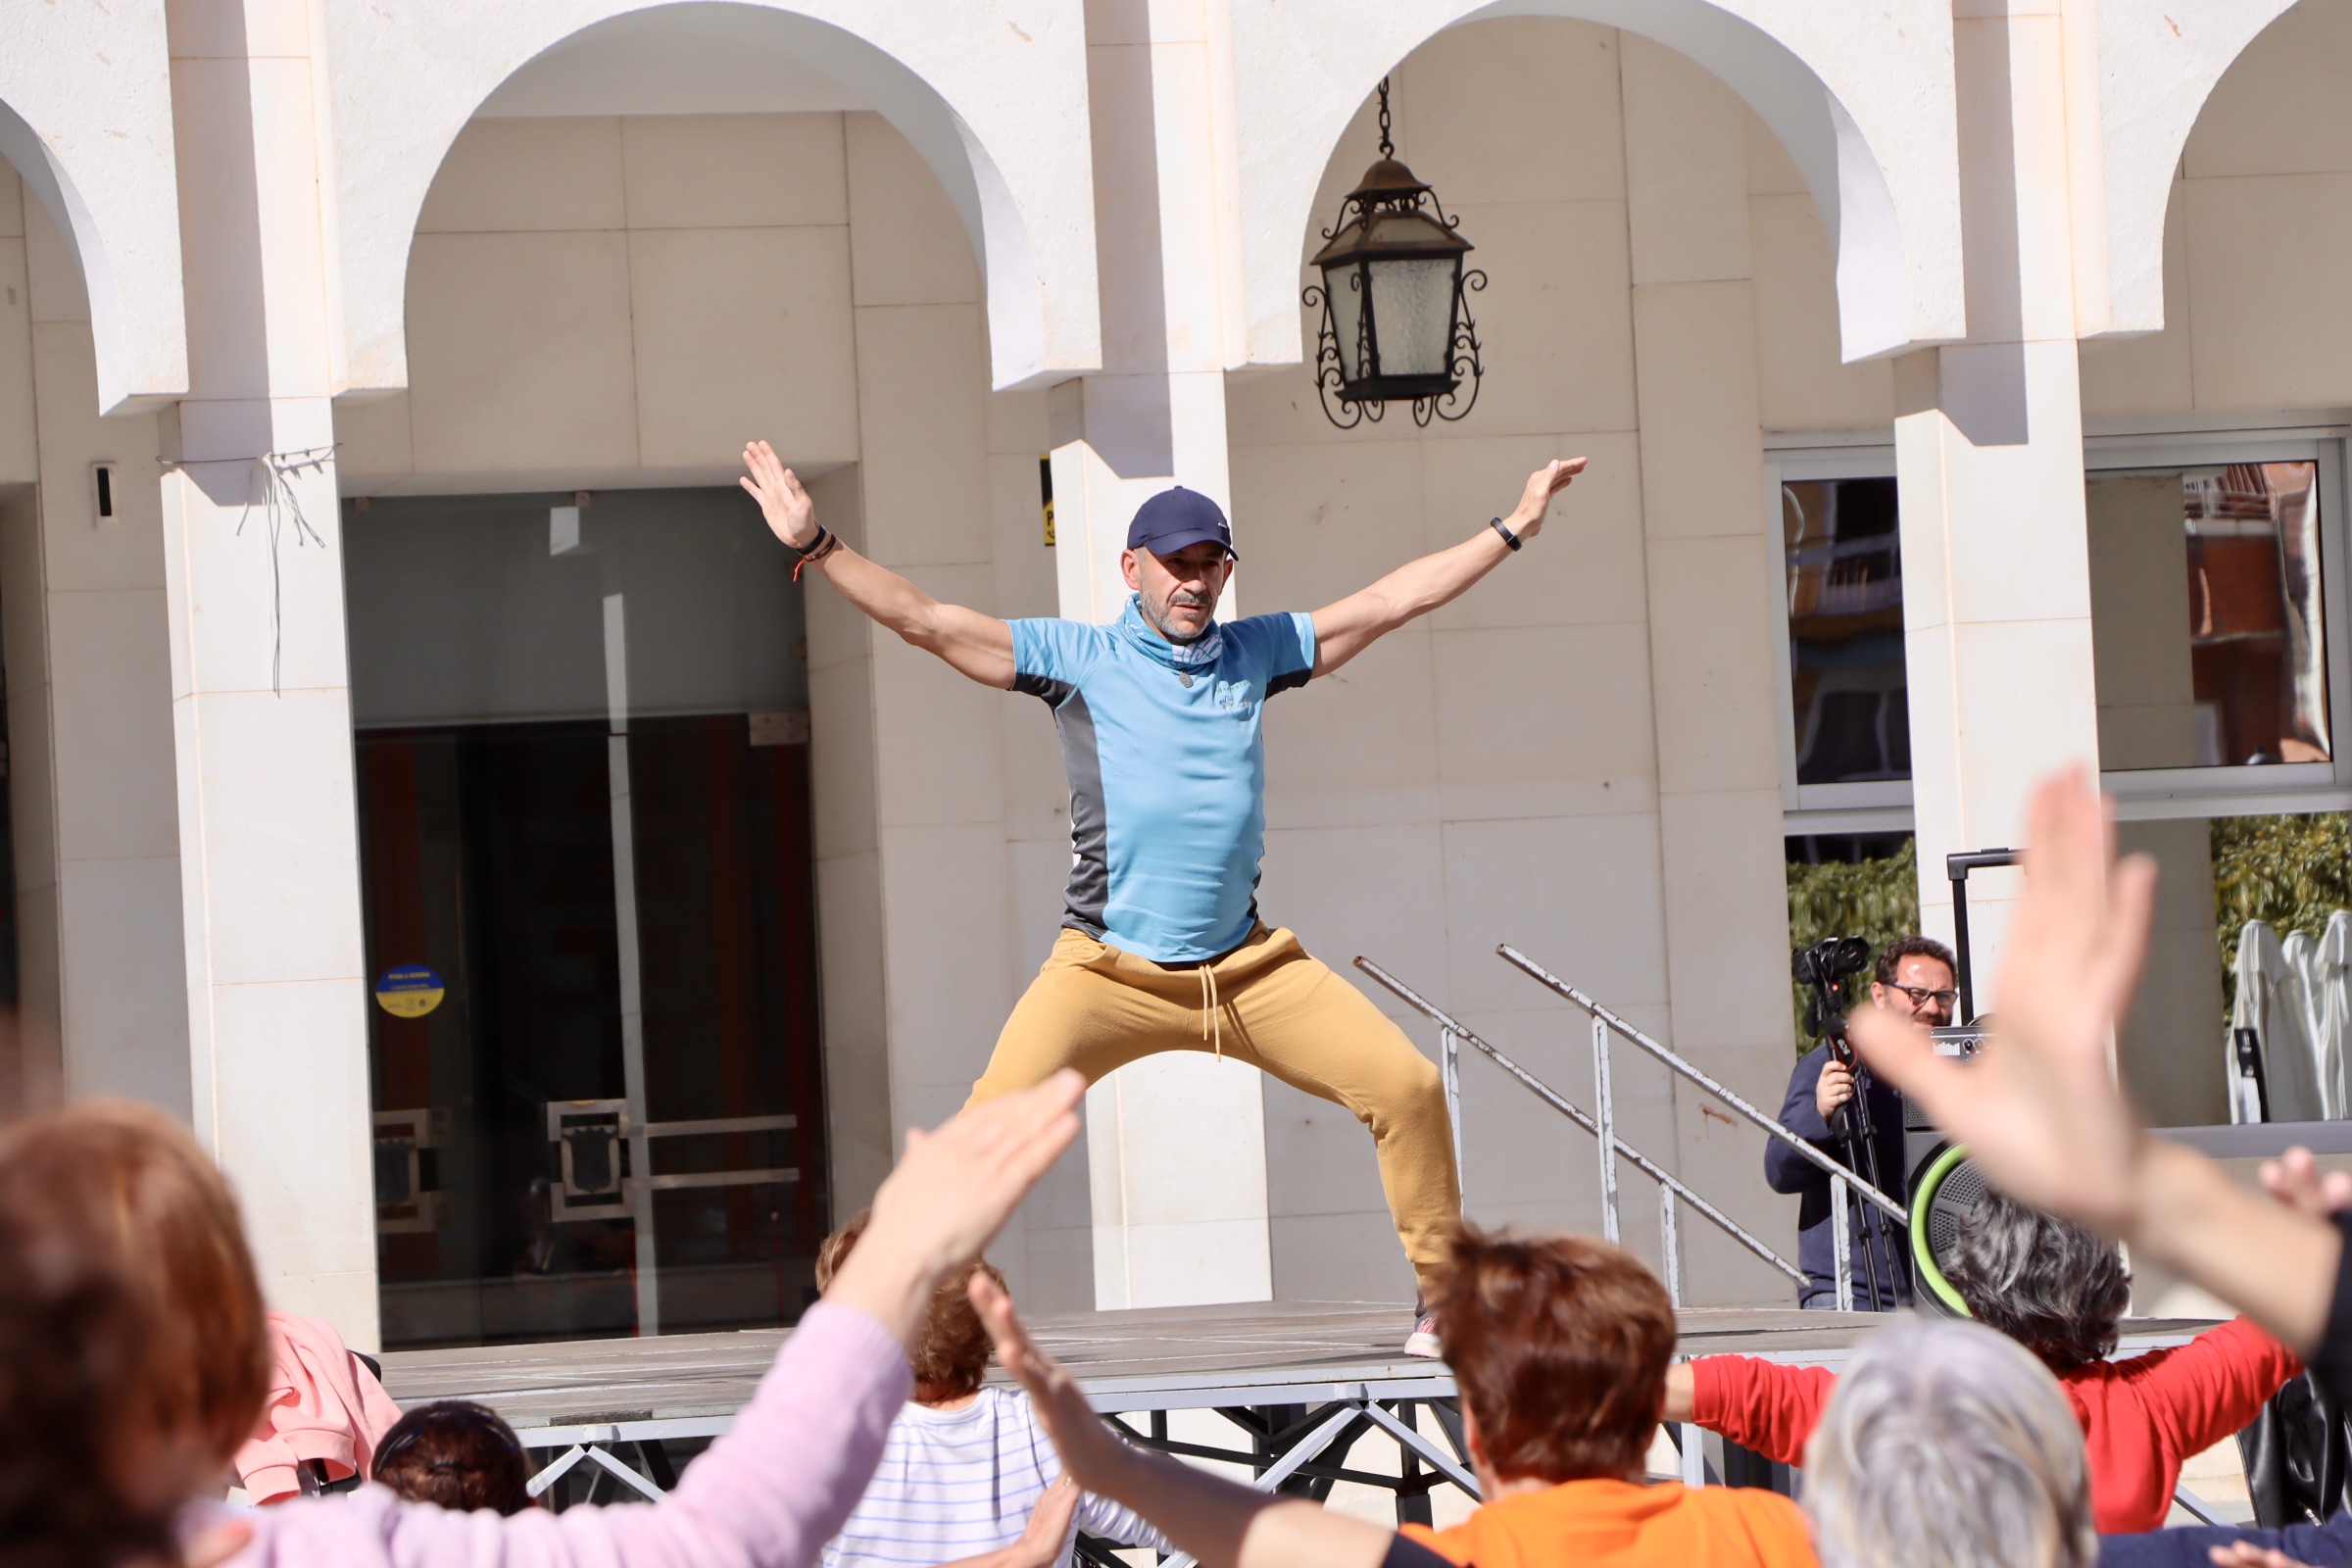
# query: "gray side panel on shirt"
[[1089, 889]]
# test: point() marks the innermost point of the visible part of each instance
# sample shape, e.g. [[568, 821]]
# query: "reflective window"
[[1846, 630], [583, 784], [2207, 626]]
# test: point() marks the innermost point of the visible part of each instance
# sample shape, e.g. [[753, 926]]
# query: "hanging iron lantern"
[[1395, 300]]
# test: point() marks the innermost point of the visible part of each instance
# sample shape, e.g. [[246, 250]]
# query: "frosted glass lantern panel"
[[1412, 309]]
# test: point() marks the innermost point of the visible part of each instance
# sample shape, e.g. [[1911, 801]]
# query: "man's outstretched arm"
[[1347, 628], [976, 645]]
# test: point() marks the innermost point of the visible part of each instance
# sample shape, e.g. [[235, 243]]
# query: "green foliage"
[[1874, 899], [2292, 871]]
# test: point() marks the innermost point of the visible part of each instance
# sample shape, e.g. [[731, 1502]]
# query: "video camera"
[[1830, 967]]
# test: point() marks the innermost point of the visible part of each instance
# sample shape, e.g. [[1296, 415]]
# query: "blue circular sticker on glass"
[[410, 991]]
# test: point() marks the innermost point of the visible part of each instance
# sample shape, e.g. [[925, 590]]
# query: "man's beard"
[[1158, 617]]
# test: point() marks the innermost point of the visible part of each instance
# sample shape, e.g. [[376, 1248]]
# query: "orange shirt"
[[1602, 1522]]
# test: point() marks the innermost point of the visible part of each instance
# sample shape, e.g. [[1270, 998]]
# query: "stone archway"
[[995, 107], [1865, 106]]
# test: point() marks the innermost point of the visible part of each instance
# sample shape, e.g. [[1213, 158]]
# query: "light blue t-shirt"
[[1167, 771]]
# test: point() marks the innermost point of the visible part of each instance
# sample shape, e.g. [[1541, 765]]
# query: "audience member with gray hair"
[[2046, 1283], [1948, 1445]]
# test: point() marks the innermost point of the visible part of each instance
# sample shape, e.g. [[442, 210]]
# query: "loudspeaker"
[[1942, 1192], [1940, 1186]]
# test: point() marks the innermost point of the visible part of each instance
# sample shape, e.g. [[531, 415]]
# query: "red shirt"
[[2140, 1417]]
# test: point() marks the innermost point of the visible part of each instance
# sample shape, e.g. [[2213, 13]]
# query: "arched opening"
[[628, 799], [1586, 747], [92, 341], [2218, 567], [943, 91], [1847, 109], [86, 118]]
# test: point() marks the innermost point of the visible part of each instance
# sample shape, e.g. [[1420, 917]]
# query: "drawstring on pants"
[[1209, 1009]]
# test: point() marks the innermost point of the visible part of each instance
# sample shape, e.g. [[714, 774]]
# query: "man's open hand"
[[1527, 519], [791, 515]]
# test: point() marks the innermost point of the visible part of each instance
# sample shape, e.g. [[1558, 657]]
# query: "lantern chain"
[[1388, 148]]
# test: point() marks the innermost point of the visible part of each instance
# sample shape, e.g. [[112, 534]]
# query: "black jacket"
[[1790, 1172]]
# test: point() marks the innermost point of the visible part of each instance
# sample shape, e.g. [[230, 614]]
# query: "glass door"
[[583, 780]]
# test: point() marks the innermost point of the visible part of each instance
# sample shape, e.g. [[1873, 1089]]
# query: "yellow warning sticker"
[[410, 991]]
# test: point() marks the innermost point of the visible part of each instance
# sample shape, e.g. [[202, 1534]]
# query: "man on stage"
[[1162, 948]]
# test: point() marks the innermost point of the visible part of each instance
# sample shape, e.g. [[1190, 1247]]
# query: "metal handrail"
[[1729, 1096], [1671, 1188], [1605, 1023]]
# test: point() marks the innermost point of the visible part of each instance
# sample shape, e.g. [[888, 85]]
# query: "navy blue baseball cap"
[[1176, 517]]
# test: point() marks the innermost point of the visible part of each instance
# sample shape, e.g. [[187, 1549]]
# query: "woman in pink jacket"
[[133, 1362]]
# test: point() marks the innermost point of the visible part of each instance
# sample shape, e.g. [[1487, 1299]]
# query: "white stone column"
[[261, 706], [1175, 1144], [102, 1004], [1988, 459], [1704, 546]]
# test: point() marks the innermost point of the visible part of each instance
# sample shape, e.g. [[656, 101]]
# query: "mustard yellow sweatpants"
[[1267, 1004]]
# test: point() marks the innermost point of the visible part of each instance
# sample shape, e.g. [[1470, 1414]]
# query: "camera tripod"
[[1830, 967], [1853, 1128]]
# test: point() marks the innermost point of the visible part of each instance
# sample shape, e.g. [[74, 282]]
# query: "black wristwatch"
[[823, 545]]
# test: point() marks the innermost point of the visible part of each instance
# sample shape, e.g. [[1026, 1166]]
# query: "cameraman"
[[1913, 975]]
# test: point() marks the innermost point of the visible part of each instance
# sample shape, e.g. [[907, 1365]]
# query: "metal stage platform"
[[1300, 1383]]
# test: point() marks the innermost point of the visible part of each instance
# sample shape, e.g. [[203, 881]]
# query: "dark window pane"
[[1844, 557], [591, 821], [2207, 631]]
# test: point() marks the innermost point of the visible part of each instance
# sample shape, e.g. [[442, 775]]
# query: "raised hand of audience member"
[[1222, 1524], [951, 1194], [216, 1544], [2041, 1111], [1091, 1452], [2246, 1555], [2296, 1180]]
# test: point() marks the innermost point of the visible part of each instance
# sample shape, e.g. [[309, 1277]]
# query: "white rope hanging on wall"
[[280, 505]]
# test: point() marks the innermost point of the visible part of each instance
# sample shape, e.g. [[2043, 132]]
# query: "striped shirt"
[[959, 1483]]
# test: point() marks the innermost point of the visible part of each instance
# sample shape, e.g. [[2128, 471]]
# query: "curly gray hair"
[[1946, 1446], [2046, 1283]]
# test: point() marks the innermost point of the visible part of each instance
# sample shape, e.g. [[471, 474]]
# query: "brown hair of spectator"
[[1559, 1345], [133, 1357], [1901, 948], [952, 1360], [458, 1455]]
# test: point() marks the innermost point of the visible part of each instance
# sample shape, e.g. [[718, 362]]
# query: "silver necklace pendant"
[[1181, 676]]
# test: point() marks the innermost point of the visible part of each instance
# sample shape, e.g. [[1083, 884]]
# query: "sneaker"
[[1423, 1341]]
